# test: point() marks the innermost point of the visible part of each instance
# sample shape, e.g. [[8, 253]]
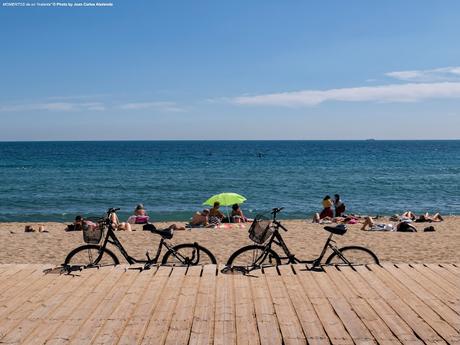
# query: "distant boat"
[[370, 139]]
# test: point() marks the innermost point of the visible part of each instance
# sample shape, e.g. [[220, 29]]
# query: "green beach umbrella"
[[225, 199]]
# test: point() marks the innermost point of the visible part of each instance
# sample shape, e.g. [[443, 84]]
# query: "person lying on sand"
[[427, 218], [407, 216], [401, 227], [117, 225]]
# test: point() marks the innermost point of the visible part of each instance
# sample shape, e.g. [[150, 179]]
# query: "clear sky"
[[231, 70]]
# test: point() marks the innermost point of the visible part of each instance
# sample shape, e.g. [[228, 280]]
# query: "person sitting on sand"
[[77, 224], [327, 208], [326, 214], [200, 218], [401, 227], [215, 215], [237, 215], [140, 216], [339, 206], [427, 218]]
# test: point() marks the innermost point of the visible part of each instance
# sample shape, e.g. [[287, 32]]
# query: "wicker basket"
[[260, 230], [92, 231]]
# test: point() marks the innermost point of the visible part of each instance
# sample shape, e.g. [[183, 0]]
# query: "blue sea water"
[[54, 181]]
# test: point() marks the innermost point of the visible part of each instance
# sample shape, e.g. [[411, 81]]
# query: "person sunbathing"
[[427, 218], [117, 225], [401, 227], [200, 218]]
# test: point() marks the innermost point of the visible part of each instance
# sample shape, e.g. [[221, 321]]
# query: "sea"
[[55, 181]]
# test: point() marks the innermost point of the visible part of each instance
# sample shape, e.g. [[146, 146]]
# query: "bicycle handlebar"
[[112, 210], [277, 210]]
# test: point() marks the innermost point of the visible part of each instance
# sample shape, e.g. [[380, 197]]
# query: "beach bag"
[[260, 230]]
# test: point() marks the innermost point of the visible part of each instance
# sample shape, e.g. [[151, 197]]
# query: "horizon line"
[[201, 140]]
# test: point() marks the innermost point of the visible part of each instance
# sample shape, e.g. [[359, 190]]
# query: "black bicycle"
[[264, 230], [94, 254]]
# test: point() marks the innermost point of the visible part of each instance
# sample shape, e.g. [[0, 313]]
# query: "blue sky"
[[231, 70]]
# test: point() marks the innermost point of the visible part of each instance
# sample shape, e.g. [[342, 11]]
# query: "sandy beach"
[[304, 239]]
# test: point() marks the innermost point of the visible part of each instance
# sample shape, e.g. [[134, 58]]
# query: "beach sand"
[[303, 238]]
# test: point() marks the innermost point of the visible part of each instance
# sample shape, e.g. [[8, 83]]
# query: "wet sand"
[[303, 238]]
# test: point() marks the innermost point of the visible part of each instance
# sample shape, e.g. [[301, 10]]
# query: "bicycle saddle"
[[165, 233], [340, 229]]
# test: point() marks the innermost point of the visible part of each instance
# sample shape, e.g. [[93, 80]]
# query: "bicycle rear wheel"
[[89, 256], [352, 255], [188, 254], [253, 257]]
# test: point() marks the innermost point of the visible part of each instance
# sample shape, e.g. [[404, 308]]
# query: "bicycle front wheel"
[[91, 255], [253, 257], [188, 254], [352, 255]]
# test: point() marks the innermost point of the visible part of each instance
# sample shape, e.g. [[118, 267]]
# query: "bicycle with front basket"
[[265, 233], [94, 254]]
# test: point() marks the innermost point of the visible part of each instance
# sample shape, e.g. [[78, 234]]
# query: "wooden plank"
[[267, 323], [88, 331], [455, 270], [87, 306], [14, 298], [203, 317], [42, 308], [181, 322], [224, 321], [28, 306], [420, 290], [289, 325], [45, 327], [311, 325], [427, 284], [113, 328], [15, 274], [376, 326], [418, 325], [363, 290], [331, 322], [447, 332], [137, 324], [35, 274], [355, 327], [445, 274], [157, 329], [245, 318], [438, 280]]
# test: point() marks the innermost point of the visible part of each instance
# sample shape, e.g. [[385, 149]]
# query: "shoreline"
[[178, 220], [305, 239]]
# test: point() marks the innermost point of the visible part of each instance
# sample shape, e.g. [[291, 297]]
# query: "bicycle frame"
[[111, 238], [277, 239]]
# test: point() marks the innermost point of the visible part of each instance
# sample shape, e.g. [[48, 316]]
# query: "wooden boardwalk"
[[388, 304]]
